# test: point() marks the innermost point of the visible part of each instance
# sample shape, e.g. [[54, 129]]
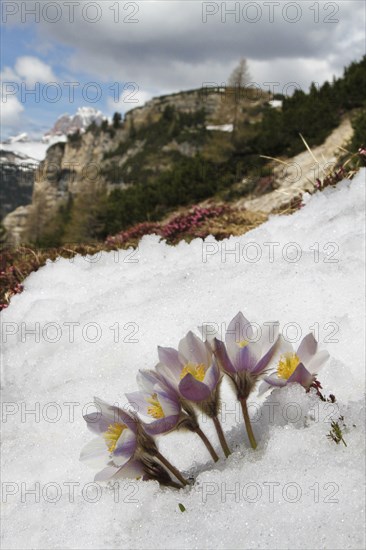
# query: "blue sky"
[[59, 91], [162, 47]]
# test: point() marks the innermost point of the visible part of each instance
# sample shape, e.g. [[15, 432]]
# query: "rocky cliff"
[[17, 178], [147, 142]]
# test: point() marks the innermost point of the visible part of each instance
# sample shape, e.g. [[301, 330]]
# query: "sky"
[[115, 55]]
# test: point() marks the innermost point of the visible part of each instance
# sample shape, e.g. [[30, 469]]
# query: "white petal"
[[95, 453], [317, 361], [282, 347], [307, 348]]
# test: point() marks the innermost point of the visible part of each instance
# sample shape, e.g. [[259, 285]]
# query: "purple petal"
[[164, 383], [103, 417], [222, 357], [171, 359], [307, 348], [169, 379], [274, 380], [263, 363], [115, 414], [169, 406], [194, 350], [130, 421], [247, 358], [301, 376], [138, 400], [239, 329], [97, 423], [125, 448], [193, 389], [212, 376], [146, 380], [162, 425]]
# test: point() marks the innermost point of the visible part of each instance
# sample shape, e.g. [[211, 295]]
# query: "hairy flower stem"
[[221, 435], [248, 425], [210, 448], [170, 467]]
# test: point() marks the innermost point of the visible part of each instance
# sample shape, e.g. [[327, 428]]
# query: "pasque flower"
[[158, 405], [245, 358], [122, 444], [161, 408], [117, 431], [193, 372], [301, 366]]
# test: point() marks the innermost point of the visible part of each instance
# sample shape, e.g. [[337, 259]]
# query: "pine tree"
[[238, 80], [117, 119]]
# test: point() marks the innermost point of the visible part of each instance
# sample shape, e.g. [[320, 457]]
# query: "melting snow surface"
[[96, 321]]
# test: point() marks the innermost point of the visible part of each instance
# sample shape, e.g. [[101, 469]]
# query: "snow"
[[221, 127], [275, 103], [34, 149], [23, 161], [20, 137], [298, 490], [69, 124], [66, 124]]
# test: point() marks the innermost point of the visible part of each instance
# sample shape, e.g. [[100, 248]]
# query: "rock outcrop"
[[17, 179], [296, 175]]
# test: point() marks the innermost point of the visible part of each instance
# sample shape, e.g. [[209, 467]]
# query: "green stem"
[[248, 425], [170, 467], [221, 435], [210, 448]]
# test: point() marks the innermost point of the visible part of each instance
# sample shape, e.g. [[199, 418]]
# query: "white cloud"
[[29, 69], [8, 75], [32, 69], [130, 98], [11, 111], [170, 48]]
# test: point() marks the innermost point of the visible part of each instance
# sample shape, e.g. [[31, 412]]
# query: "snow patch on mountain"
[[64, 126], [69, 124]]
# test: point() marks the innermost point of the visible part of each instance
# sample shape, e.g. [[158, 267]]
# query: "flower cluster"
[[177, 227], [187, 380]]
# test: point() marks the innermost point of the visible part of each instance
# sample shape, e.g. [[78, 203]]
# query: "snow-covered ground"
[[298, 490]]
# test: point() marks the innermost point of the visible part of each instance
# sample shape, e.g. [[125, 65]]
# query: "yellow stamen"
[[198, 371], [287, 365], [156, 410], [112, 435], [243, 343]]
